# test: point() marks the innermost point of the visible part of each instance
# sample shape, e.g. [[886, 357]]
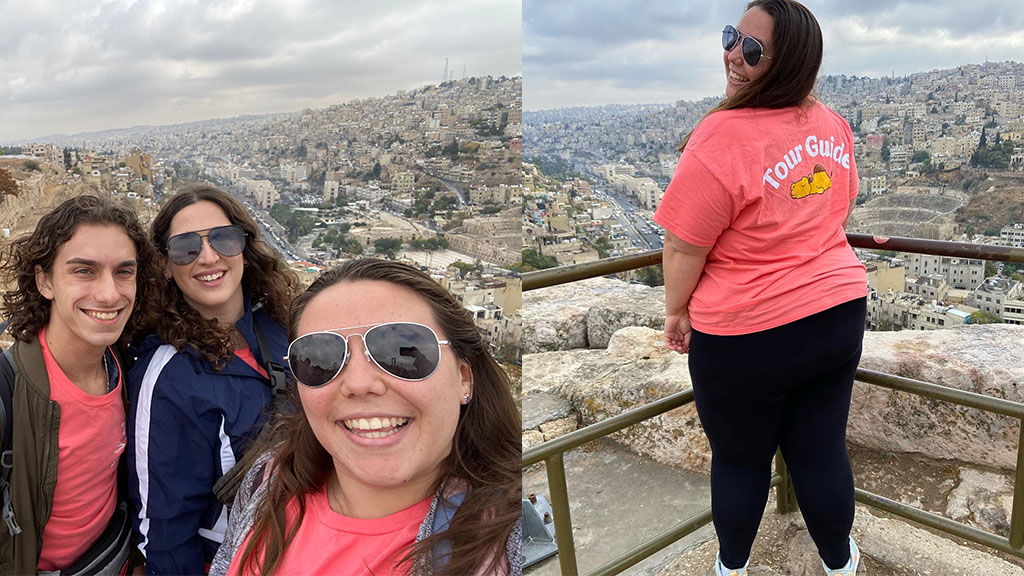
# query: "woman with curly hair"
[[77, 284], [403, 455], [203, 381]]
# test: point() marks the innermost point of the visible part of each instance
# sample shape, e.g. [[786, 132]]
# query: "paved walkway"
[[618, 500]]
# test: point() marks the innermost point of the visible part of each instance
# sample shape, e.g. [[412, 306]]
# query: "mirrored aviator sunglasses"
[[406, 350], [751, 49], [183, 249]]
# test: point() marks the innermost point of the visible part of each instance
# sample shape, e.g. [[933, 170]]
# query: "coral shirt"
[[330, 543], [769, 191], [91, 439]]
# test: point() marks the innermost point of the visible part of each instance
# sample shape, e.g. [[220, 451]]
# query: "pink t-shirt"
[[246, 355], [91, 439], [329, 543], [769, 191]]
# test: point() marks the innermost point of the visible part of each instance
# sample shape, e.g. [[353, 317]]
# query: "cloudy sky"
[[591, 52], [68, 66]]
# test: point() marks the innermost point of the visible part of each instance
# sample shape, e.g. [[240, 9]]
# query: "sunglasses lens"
[[408, 351], [751, 51], [228, 240], [182, 249], [729, 37], [315, 359]]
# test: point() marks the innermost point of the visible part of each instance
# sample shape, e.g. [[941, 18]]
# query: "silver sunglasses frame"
[[366, 351]]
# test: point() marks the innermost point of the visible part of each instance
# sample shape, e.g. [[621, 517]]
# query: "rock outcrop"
[[585, 314]]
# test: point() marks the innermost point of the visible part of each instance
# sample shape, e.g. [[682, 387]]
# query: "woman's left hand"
[[677, 332]]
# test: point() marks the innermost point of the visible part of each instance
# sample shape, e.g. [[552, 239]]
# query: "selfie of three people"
[[180, 407]]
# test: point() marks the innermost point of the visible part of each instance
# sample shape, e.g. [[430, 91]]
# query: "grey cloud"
[[123, 62]]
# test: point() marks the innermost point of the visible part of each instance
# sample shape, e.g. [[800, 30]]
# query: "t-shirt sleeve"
[[696, 206]]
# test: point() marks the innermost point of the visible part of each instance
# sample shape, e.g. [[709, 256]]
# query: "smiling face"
[[386, 436], [91, 290], [757, 24], [212, 283]]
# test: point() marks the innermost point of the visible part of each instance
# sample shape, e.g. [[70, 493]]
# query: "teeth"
[[103, 315], [210, 277], [366, 427], [737, 77]]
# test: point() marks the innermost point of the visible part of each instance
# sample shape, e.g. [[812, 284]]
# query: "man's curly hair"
[[267, 283], [26, 309]]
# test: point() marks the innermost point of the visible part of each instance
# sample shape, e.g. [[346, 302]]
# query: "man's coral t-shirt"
[[769, 190]]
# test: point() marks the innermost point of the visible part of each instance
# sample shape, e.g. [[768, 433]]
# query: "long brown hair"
[[266, 281], [797, 47], [485, 455], [26, 309]]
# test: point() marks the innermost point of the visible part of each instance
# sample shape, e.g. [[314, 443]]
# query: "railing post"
[[1017, 515], [785, 497], [560, 508]]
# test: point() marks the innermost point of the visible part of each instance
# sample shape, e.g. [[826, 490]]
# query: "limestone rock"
[[634, 370], [983, 499], [560, 427], [985, 359], [532, 438], [585, 314]]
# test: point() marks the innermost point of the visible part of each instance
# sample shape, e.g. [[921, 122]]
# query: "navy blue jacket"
[[188, 426]]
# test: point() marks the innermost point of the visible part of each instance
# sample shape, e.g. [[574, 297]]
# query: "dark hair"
[[27, 310], [796, 58], [485, 455], [266, 281]]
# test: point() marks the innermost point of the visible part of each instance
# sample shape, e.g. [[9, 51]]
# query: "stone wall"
[[565, 330]]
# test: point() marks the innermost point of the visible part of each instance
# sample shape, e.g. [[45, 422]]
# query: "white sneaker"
[[723, 571], [851, 567]]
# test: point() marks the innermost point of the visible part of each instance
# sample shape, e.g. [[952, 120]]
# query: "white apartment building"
[[402, 183], [964, 273], [1012, 235], [995, 294], [331, 190]]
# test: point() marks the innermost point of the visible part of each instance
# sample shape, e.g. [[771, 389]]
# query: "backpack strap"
[[274, 369], [7, 428]]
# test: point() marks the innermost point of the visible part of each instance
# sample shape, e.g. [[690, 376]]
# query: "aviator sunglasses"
[[183, 249], [751, 49], [405, 350]]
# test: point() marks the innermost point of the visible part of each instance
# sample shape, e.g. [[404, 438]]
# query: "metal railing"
[[551, 452]]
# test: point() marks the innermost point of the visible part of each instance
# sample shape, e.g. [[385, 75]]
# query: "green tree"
[[533, 260], [387, 246], [652, 275], [32, 165], [603, 246], [508, 353], [464, 268], [982, 317]]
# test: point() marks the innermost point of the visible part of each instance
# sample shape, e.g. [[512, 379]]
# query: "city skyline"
[[68, 70], [635, 52]]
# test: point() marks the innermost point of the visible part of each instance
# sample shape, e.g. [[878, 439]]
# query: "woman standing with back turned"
[[762, 288]]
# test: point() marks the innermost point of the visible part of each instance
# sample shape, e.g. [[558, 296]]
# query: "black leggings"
[[786, 387]]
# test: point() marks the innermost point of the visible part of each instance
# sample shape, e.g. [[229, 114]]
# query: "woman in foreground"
[[403, 455]]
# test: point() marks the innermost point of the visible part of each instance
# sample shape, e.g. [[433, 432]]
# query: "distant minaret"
[[444, 75], [463, 71]]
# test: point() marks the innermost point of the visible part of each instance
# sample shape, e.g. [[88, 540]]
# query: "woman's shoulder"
[[723, 127]]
